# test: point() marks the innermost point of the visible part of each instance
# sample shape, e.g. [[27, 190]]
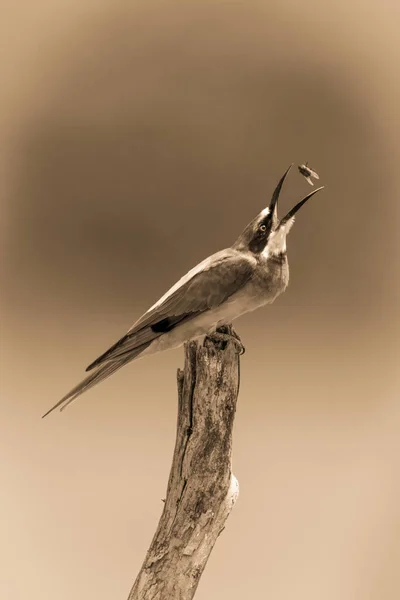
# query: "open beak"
[[294, 210], [275, 196]]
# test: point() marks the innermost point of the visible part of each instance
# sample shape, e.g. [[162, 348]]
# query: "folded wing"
[[205, 287]]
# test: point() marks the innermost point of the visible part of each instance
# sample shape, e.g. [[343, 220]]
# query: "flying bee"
[[307, 173]]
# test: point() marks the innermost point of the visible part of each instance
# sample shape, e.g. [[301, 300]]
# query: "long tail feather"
[[94, 378], [128, 343]]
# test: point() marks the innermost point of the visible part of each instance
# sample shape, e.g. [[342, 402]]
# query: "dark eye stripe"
[[260, 235]]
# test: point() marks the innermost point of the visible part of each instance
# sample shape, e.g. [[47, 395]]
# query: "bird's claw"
[[236, 336], [225, 334]]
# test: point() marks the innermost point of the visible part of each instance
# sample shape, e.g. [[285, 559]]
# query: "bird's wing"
[[205, 287]]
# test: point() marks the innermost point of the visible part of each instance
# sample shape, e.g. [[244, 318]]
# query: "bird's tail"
[[94, 378]]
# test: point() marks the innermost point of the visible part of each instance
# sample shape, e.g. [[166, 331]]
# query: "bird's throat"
[[276, 245]]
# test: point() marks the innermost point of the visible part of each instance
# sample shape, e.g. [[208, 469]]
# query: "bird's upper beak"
[[273, 206]]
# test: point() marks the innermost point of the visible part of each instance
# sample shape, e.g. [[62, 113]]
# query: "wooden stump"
[[201, 489]]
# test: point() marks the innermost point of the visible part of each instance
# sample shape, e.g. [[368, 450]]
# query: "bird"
[[251, 273], [308, 173]]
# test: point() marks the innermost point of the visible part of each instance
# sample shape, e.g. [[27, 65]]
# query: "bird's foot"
[[235, 334], [226, 333]]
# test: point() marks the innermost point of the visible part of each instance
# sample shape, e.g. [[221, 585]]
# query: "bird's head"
[[266, 234]]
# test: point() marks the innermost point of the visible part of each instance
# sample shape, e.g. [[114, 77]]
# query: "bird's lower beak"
[[294, 210]]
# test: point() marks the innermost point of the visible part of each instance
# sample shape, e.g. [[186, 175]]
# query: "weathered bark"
[[201, 489]]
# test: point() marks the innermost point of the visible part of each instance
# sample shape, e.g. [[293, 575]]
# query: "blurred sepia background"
[[136, 139]]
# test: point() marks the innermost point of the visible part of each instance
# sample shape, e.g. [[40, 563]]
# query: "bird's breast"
[[271, 278]]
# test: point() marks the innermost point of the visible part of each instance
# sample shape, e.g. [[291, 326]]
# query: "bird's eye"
[[263, 227]]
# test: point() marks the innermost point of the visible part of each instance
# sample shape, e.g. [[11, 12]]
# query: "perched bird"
[[239, 279], [308, 172]]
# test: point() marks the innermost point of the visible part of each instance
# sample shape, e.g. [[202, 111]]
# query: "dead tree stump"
[[201, 489]]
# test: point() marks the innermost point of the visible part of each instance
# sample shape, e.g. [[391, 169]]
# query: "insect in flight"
[[307, 173]]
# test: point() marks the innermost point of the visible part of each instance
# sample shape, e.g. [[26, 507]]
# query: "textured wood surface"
[[201, 489]]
